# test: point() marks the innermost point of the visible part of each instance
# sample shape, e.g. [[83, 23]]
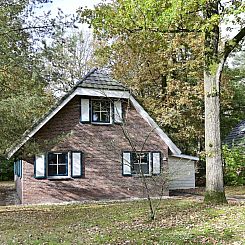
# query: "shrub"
[[6, 170], [234, 165]]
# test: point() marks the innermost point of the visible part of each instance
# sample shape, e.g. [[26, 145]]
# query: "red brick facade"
[[102, 147]]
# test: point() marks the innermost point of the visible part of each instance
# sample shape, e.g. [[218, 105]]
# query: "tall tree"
[[66, 59], [122, 18], [23, 94]]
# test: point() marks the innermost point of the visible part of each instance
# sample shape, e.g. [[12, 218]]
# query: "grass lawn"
[[177, 222]]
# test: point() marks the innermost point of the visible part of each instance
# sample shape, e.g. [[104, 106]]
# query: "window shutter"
[[20, 163], [85, 110], [118, 116], [149, 162], [126, 164], [156, 162], [15, 173], [39, 167], [76, 164]]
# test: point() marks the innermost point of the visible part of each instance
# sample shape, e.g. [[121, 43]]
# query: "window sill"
[[140, 176], [100, 123], [59, 178]]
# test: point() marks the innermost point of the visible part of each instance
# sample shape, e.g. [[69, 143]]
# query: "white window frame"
[[142, 163], [100, 111], [68, 175]]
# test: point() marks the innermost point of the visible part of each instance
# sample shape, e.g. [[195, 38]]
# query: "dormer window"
[[101, 111]]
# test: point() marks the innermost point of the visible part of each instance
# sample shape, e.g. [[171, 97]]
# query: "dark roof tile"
[[236, 136], [98, 80]]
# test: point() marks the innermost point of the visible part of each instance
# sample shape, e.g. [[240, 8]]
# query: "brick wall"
[[102, 146]]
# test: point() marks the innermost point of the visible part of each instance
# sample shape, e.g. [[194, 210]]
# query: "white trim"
[[118, 111], [85, 117], [126, 168], [185, 157], [174, 149], [156, 162], [101, 93]]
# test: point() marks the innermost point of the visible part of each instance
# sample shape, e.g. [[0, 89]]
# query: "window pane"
[[52, 158], [140, 163], [105, 117], [105, 106], [62, 170], [52, 170], [95, 117], [101, 111], [62, 158], [57, 164], [96, 105]]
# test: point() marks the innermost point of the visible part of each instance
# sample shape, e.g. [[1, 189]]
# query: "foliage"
[[164, 68], [23, 94], [178, 222], [234, 171], [6, 170], [232, 98], [164, 72], [120, 20], [66, 59]]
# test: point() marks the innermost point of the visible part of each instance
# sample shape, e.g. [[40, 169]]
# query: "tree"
[[66, 59], [23, 94], [165, 73], [121, 19]]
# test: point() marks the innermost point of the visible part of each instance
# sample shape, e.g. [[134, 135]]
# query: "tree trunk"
[[212, 75], [214, 169]]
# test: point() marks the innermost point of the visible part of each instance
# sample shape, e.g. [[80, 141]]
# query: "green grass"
[[177, 222]]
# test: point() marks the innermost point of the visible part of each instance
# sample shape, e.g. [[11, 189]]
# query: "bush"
[[6, 170], [234, 167]]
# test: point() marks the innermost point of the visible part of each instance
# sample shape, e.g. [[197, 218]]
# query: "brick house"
[[108, 141]]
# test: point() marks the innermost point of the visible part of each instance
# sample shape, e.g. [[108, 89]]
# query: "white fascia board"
[[103, 93], [173, 148], [78, 91], [186, 157]]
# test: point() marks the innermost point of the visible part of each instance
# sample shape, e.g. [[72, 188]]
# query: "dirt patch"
[[8, 194], [233, 194]]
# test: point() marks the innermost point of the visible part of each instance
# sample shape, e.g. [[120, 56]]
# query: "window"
[[101, 111], [137, 163], [140, 163], [57, 164]]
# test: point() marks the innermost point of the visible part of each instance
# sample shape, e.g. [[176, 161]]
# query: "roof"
[[183, 156], [95, 83], [99, 80], [236, 136]]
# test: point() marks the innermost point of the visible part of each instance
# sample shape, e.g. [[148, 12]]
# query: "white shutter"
[[76, 167], [39, 168], [156, 162], [118, 117], [126, 163], [85, 110]]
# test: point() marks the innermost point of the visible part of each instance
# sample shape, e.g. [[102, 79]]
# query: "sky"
[[69, 7]]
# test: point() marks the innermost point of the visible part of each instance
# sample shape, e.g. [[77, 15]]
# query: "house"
[[108, 141], [237, 135]]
